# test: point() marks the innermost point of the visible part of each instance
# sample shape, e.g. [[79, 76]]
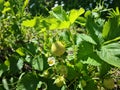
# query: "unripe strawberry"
[[60, 81], [83, 83], [58, 48], [62, 70], [108, 83], [45, 73]]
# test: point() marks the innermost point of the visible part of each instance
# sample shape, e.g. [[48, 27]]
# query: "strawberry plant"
[[74, 50]]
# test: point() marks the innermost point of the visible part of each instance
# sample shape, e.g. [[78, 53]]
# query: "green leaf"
[[21, 51], [37, 63], [31, 48], [65, 36], [84, 37], [3, 68], [53, 23], [29, 23], [16, 64], [50, 85], [90, 85], [6, 10], [87, 13], [111, 28], [95, 60], [25, 4], [59, 13], [79, 67], [104, 69], [81, 21], [74, 14], [113, 48], [117, 11], [94, 30], [1, 5], [109, 57], [64, 25], [64, 87], [71, 71], [39, 84], [7, 4], [28, 82], [5, 84], [106, 29], [91, 61], [84, 49], [20, 64], [114, 13]]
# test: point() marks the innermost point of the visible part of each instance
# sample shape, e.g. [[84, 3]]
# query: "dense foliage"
[[77, 49]]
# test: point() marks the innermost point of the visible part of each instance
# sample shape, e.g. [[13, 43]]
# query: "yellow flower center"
[[51, 62]]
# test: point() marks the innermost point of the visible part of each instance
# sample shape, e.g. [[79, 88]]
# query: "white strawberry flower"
[[51, 61]]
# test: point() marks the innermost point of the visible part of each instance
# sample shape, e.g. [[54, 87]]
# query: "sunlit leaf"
[[6, 10], [87, 13], [117, 11], [29, 23], [64, 25], [53, 23], [20, 51], [74, 14], [7, 4]]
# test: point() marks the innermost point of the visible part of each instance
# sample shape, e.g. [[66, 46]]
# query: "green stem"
[[113, 40], [74, 46]]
